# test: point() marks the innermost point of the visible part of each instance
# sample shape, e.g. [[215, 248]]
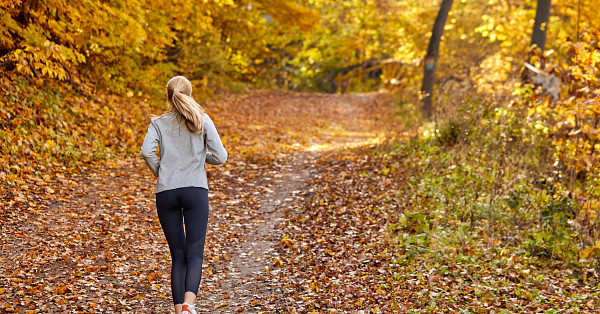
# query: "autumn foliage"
[[346, 202]]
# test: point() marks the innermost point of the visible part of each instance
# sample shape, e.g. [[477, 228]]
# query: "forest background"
[[509, 155]]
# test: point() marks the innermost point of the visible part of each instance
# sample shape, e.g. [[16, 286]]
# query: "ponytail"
[[179, 91]]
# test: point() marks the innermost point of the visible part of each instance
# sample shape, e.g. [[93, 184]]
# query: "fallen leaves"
[[90, 229], [347, 249], [292, 229]]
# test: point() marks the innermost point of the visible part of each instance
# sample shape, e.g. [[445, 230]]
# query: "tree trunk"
[[432, 56], [542, 16]]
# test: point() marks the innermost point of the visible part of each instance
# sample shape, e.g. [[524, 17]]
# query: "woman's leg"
[[194, 202], [171, 220]]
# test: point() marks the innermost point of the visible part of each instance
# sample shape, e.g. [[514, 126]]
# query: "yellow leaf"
[[587, 253], [50, 144], [591, 252]]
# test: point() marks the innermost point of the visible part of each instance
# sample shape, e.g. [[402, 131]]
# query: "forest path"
[[254, 223], [98, 246], [267, 185]]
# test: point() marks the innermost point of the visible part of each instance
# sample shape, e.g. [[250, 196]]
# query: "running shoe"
[[186, 308]]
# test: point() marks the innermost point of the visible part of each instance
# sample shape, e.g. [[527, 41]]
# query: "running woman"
[[187, 139]]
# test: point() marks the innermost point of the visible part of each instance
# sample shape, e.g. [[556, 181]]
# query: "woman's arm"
[[149, 149], [216, 153]]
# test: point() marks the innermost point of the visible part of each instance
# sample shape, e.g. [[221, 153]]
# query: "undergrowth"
[[513, 172], [485, 183]]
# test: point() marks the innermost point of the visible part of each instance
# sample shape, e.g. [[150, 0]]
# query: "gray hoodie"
[[182, 154]]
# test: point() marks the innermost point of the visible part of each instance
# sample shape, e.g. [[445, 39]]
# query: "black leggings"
[[189, 205]]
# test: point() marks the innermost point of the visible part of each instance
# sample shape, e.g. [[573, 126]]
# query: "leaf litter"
[[302, 220], [87, 239]]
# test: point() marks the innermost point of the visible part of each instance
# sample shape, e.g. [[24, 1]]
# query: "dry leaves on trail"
[[87, 239], [334, 251], [94, 243], [277, 165], [273, 124]]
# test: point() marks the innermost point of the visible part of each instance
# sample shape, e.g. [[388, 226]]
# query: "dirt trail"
[[100, 248], [247, 281], [243, 285]]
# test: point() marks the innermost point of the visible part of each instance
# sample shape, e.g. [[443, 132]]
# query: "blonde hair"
[[179, 97]]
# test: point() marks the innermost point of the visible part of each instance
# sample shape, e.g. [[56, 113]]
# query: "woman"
[[187, 139]]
